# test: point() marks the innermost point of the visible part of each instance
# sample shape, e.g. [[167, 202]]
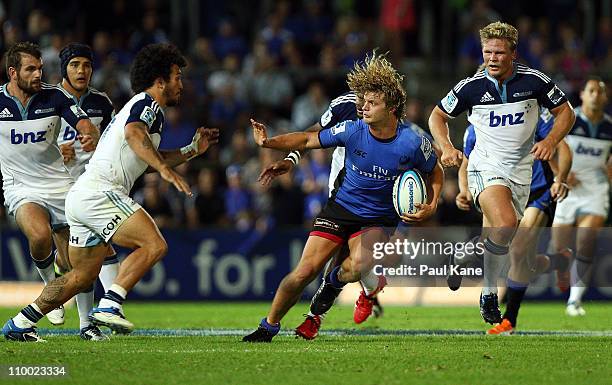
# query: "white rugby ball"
[[408, 190]]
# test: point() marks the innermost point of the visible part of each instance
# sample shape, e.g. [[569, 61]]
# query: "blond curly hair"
[[499, 30], [376, 74]]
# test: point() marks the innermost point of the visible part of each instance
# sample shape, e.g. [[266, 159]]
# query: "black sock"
[[516, 292]]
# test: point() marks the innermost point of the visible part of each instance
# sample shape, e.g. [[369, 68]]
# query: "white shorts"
[[480, 180], [53, 202], [594, 200], [94, 216], [337, 165]]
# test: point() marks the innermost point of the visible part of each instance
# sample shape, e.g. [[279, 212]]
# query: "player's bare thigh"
[[139, 230], [34, 222], [317, 251], [360, 259], [498, 212]]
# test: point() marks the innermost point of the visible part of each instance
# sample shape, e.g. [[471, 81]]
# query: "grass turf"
[[355, 359]]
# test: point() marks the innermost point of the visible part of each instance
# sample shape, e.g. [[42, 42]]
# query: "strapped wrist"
[[191, 150], [294, 157]]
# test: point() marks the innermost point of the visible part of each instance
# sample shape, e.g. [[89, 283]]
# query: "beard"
[[172, 99], [28, 88]]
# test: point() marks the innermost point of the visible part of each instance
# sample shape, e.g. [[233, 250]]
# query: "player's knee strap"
[[495, 248]]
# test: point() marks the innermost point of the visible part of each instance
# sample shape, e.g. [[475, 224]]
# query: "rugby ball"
[[408, 190]]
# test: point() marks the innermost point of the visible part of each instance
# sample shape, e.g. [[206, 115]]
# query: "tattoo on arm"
[[146, 142]]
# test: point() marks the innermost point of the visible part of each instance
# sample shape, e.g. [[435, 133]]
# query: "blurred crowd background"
[[282, 62]]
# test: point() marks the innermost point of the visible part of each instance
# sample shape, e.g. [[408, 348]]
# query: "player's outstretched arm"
[[436, 181], [137, 137], [89, 134], [564, 120], [438, 125], [201, 141], [280, 167], [293, 141]]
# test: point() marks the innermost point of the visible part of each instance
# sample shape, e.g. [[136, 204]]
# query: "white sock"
[[46, 273], [108, 301], [107, 275], [119, 290], [576, 293], [580, 273], [369, 282], [493, 266], [21, 321], [84, 303]]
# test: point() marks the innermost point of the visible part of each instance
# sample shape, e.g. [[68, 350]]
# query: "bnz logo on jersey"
[[28, 137], [586, 150], [506, 119]]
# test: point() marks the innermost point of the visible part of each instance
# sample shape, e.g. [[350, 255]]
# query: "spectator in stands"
[[207, 207]]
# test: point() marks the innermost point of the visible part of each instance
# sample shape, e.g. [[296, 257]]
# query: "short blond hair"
[[376, 74], [499, 30]]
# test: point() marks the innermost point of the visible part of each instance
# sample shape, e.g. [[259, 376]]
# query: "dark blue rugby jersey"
[[97, 106], [342, 108], [372, 165], [484, 90], [542, 176], [50, 101]]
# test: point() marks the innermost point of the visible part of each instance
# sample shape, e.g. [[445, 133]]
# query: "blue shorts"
[[544, 202]]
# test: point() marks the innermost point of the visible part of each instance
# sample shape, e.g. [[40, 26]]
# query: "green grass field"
[[182, 343]]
